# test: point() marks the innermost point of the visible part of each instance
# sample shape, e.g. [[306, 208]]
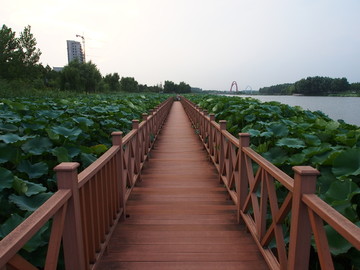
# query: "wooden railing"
[[87, 206], [254, 183]]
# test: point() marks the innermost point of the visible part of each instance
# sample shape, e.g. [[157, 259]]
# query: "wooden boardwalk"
[[180, 216]]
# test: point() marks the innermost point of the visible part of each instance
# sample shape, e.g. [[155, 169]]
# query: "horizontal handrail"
[[95, 167], [234, 159], [346, 228], [282, 177], [15, 240]]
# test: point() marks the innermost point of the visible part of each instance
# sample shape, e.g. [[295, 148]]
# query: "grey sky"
[[207, 44]]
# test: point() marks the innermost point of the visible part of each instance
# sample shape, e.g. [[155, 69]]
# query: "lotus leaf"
[[6, 178], [37, 146], [250, 117], [10, 224], [19, 186], [13, 138], [99, 149], [33, 170], [29, 203], [87, 159], [8, 127], [276, 155], [338, 245], [342, 190], [278, 129], [33, 188], [312, 140], [70, 133], [347, 163], [7, 153], [291, 143], [61, 154]]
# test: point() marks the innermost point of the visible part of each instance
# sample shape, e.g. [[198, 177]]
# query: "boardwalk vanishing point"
[[180, 215]]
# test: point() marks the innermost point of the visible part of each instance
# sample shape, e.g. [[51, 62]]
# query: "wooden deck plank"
[[180, 216], [184, 265]]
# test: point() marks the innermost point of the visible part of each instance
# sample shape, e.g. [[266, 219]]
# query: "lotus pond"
[[36, 134], [289, 136]]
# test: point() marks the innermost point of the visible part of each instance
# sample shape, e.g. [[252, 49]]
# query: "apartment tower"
[[74, 51]]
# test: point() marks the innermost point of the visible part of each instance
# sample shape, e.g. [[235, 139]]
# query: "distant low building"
[[58, 69], [74, 51]]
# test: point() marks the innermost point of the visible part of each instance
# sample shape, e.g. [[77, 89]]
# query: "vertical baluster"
[[102, 183], [114, 188], [146, 134], [96, 215], [109, 169], [88, 221], [121, 182], [100, 202], [222, 147], [211, 135]]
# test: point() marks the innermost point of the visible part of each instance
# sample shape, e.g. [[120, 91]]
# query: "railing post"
[[117, 141], [212, 117], [242, 181], [146, 132], [73, 245], [300, 231], [135, 124], [222, 124], [144, 116]]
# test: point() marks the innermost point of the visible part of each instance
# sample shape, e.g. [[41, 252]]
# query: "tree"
[[112, 81], [184, 88], [128, 84], [355, 87], [279, 89], [321, 86], [27, 44], [10, 58], [83, 77], [19, 57], [171, 87]]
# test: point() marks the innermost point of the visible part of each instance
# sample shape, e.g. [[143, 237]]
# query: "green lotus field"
[[289, 136]]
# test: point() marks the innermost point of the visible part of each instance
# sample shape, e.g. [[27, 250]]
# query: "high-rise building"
[[74, 51]]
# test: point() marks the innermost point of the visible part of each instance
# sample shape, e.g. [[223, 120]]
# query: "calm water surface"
[[345, 108]]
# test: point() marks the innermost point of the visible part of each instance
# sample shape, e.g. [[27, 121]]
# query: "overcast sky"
[[206, 43]]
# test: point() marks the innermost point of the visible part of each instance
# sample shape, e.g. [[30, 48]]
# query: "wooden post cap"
[[222, 124], [135, 124], [67, 166], [305, 170], [116, 137]]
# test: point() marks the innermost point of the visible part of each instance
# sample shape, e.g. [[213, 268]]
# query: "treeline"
[[171, 87], [20, 69], [313, 86], [85, 77]]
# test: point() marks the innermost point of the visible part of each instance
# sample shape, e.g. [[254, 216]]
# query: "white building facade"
[[74, 51]]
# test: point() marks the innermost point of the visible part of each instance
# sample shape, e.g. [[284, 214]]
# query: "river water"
[[345, 108]]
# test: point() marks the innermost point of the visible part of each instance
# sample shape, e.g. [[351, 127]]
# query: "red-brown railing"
[[251, 182], [87, 206]]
